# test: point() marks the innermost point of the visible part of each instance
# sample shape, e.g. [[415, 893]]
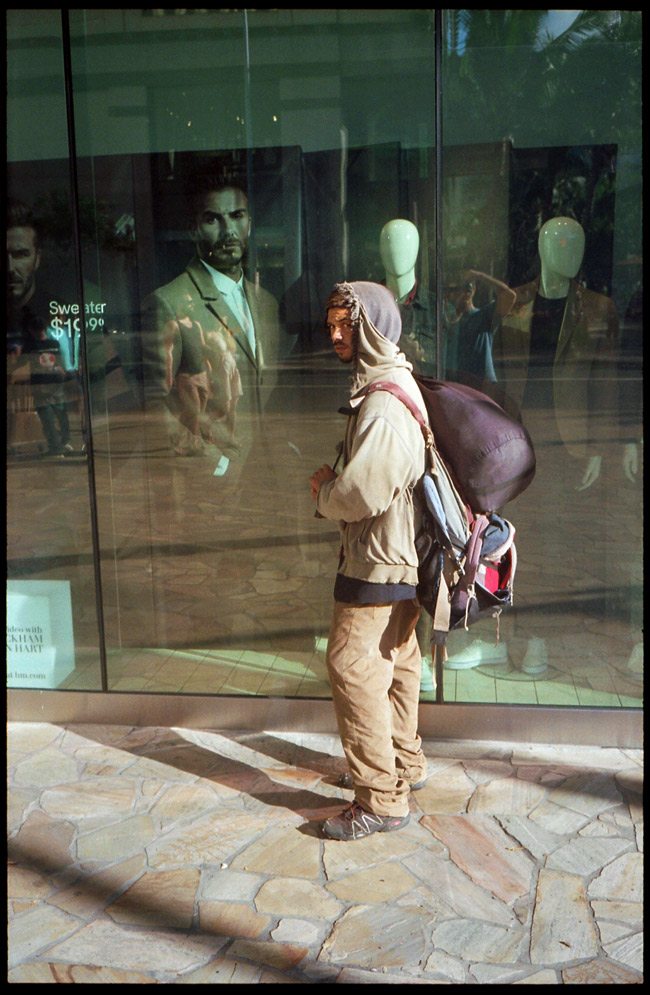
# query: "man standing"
[[470, 329], [373, 658], [39, 365], [225, 302]]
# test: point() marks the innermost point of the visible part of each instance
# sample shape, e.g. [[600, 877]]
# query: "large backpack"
[[479, 458]]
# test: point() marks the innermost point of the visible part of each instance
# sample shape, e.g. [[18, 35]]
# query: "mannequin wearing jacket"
[[552, 354]]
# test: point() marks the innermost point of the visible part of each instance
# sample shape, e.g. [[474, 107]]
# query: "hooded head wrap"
[[372, 299]]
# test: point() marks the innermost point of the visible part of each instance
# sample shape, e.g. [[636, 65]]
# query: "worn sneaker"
[[345, 781], [354, 823]]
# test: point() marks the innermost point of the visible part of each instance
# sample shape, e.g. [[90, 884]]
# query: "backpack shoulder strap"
[[408, 402]]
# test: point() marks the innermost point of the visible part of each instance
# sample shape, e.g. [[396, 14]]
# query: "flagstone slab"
[[481, 849], [586, 855], [628, 914], [48, 973], [448, 791], [231, 919], [91, 799], [220, 885], [620, 881], [507, 796], [546, 977], [601, 827], [286, 896], [18, 801], [110, 944], [450, 890], [486, 771], [340, 859], [116, 841], [144, 767], [278, 955], [158, 898], [91, 892], [229, 971], [42, 842], [592, 757], [210, 840], [587, 793], [183, 802], [49, 767], [378, 936], [600, 971], [26, 882], [442, 964], [282, 852], [558, 819], [299, 931], [539, 842], [473, 940], [32, 737], [511, 974], [627, 950], [357, 976], [563, 927], [33, 931], [380, 883]]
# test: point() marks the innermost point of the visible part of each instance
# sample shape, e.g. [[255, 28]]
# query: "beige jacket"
[[383, 458]]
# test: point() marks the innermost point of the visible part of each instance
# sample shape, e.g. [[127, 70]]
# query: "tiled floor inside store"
[[303, 675], [177, 856]]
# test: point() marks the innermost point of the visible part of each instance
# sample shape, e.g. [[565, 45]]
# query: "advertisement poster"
[[40, 641]]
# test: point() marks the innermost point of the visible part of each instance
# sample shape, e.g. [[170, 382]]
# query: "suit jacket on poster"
[[584, 378], [213, 313]]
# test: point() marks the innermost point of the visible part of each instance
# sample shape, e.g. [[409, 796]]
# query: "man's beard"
[[224, 254]]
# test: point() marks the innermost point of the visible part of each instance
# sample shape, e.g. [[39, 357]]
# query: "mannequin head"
[[561, 246], [399, 243]]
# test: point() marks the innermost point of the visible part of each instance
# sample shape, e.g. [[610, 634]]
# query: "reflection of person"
[[225, 301], [373, 657], [47, 377], [206, 372], [553, 351], [470, 329], [38, 366], [399, 244]]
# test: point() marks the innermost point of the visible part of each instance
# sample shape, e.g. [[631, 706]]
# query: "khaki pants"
[[374, 666]]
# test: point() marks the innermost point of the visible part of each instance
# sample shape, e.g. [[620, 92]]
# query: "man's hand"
[[322, 475]]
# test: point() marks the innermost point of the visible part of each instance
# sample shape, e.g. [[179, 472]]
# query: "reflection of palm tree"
[[548, 85], [505, 72]]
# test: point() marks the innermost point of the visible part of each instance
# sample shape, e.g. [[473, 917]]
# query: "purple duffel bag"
[[488, 452]]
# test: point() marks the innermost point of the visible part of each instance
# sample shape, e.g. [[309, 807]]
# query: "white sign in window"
[[40, 641]]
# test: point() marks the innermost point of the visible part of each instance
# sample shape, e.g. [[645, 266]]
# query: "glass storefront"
[[162, 426]]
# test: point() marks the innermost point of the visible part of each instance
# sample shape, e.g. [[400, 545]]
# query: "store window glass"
[[542, 289], [234, 165], [53, 634]]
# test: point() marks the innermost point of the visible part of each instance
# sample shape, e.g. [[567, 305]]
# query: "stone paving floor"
[[177, 856]]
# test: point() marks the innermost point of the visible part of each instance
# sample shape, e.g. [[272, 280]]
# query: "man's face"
[[342, 333], [462, 297], [222, 227], [23, 259]]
